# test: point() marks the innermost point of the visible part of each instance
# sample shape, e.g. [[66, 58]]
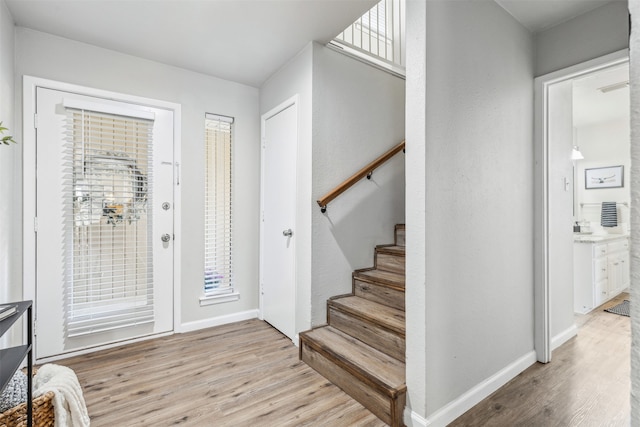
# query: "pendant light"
[[576, 154]]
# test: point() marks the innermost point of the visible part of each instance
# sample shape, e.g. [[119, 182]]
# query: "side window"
[[218, 264]]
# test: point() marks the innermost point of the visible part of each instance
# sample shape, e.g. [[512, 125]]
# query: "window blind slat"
[[378, 34], [218, 265], [108, 262]]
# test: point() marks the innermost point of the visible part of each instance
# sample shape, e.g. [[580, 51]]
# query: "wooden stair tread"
[[362, 348], [391, 250], [381, 276], [354, 355], [383, 315]]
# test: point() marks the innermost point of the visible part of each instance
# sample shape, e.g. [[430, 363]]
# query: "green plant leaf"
[[8, 138]]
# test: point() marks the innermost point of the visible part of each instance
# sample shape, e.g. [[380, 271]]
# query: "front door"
[[280, 140], [104, 257]]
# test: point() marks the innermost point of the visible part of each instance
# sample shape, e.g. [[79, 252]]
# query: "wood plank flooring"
[[242, 374], [248, 374], [586, 384]]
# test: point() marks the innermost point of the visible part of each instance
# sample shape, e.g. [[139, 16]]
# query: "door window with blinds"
[[108, 233], [218, 264]]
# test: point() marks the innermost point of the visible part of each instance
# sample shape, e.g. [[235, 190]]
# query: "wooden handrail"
[[365, 171]]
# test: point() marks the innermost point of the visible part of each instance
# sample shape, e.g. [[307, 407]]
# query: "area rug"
[[622, 309]]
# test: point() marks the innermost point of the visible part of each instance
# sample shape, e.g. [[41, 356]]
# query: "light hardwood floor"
[[242, 374], [586, 384], [248, 374]]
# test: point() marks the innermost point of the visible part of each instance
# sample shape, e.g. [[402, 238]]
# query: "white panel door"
[[122, 247], [280, 136], [560, 126]]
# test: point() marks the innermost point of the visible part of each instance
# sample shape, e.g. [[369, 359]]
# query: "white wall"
[[415, 172], [295, 78], [10, 247], [51, 57], [358, 114], [588, 36], [10, 182], [634, 74], [603, 144], [349, 114], [477, 183]]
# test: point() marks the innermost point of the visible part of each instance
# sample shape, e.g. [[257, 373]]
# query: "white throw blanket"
[[68, 403]]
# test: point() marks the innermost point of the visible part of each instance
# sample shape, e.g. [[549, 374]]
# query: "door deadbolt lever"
[[165, 238], [287, 233]]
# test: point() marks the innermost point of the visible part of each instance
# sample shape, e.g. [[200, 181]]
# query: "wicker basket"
[[42, 413]]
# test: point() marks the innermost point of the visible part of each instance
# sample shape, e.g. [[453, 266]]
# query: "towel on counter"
[[609, 215], [69, 406]]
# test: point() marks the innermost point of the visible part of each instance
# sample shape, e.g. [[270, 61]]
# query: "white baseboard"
[[563, 337], [220, 320], [475, 395], [411, 419]]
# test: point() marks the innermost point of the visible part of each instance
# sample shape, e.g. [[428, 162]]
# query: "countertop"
[[596, 238]]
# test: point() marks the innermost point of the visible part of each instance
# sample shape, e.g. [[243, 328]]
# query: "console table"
[[11, 358]]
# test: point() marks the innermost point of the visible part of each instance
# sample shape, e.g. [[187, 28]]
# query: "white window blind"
[[378, 36], [107, 237], [218, 265]]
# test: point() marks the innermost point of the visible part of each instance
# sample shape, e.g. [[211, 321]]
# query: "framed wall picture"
[[607, 177]]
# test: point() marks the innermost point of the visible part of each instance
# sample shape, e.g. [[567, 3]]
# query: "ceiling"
[[244, 41], [239, 40], [538, 15], [592, 106]]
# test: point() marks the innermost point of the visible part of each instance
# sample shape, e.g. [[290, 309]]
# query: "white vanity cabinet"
[[600, 271]]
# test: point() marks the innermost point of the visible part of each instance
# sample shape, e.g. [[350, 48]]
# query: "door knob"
[[287, 233], [165, 238]]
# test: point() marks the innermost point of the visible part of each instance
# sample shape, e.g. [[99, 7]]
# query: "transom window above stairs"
[[377, 37]]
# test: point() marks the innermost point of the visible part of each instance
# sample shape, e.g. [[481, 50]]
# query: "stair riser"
[[384, 407], [389, 262], [369, 333], [400, 237], [379, 293]]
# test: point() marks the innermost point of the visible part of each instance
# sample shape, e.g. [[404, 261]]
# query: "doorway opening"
[[558, 204], [601, 122]]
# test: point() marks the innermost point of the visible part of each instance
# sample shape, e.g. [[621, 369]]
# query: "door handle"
[[287, 233], [165, 238]]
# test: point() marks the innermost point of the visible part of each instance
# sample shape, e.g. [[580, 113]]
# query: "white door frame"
[[542, 313], [29, 86], [293, 101]]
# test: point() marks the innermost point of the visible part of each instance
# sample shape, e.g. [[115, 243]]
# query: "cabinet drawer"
[[600, 250], [618, 246], [600, 269], [601, 292]]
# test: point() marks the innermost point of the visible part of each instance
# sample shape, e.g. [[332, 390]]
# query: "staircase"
[[362, 348]]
